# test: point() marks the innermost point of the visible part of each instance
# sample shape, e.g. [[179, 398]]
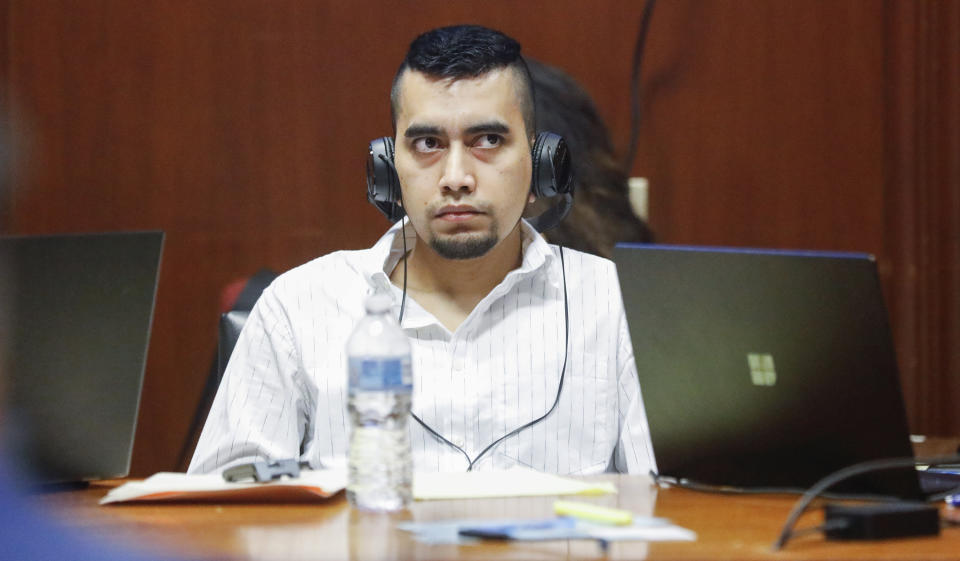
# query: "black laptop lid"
[[78, 310], [765, 368]]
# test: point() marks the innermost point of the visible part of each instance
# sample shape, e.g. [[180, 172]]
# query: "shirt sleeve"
[[261, 408], [634, 452]]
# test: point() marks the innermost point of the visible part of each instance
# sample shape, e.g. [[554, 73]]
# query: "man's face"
[[463, 157]]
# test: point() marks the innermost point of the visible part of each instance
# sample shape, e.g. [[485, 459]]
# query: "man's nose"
[[458, 172]]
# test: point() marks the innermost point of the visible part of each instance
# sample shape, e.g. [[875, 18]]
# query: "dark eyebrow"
[[490, 127], [414, 131]]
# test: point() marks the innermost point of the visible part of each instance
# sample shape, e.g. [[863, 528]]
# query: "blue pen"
[[952, 500]]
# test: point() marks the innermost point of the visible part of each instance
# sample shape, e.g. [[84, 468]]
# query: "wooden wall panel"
[[922, 191], [6, 149], [240, 129], [764, 124]]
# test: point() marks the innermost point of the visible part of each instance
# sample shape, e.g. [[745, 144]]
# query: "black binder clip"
[[261, 471]]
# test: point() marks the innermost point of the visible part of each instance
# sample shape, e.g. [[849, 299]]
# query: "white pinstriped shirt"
[[283, 394]]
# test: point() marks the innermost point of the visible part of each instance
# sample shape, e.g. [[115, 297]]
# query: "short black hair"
[[466, 51]]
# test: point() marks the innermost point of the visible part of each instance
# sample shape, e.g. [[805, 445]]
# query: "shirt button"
[[459, 443]]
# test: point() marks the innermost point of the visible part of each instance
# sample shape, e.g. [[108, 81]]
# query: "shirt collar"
[[387, 252], [537, 255]]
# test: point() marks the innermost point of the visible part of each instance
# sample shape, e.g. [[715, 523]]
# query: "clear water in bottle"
[[380, 389]]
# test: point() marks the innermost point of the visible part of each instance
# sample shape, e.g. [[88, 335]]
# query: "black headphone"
[[552, 177]]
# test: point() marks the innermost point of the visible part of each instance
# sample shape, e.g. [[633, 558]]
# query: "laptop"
[[76, 324], [764, 369]]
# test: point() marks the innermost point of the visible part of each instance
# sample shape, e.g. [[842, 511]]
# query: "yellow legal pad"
[[518, 482]]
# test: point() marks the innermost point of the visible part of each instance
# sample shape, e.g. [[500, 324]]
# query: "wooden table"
[[728, 526]]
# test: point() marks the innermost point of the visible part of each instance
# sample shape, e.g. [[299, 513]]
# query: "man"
[[502, 325]]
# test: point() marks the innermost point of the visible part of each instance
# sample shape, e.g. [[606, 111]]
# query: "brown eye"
[[489, 141], [426, 144]]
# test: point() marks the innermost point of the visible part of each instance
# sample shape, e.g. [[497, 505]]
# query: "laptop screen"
[[765, 369], [77, 317]]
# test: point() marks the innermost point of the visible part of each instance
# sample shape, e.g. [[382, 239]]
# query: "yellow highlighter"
[[593, 513]]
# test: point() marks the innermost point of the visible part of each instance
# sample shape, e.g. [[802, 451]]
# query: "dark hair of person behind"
[[601, 215], [465, 51]]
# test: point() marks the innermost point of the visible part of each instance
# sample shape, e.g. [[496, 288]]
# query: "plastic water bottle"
[[380, 389]]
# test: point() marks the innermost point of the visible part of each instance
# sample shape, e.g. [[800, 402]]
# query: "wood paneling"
[[5, 134], [240, 129], [764, 124], [922, 194]]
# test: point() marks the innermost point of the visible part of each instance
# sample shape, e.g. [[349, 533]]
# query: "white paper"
[[320, 484], [166, 486]]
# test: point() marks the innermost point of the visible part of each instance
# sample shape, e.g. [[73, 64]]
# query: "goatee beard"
[[464, 247]]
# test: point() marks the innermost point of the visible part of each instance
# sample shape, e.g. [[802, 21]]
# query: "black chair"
[[231, 324]]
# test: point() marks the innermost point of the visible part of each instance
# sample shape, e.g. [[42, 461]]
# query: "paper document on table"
[[517, 482], [310, 486]]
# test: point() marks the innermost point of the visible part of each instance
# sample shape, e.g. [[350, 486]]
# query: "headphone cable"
[[556, 401], [403, 299]]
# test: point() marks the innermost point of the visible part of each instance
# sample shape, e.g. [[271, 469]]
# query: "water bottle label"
[[373, 374]]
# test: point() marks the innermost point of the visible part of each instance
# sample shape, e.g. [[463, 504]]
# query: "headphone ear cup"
[[383, 184], [552, 174]]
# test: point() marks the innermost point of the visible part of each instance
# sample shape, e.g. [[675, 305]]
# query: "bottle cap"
[[379, 303]]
